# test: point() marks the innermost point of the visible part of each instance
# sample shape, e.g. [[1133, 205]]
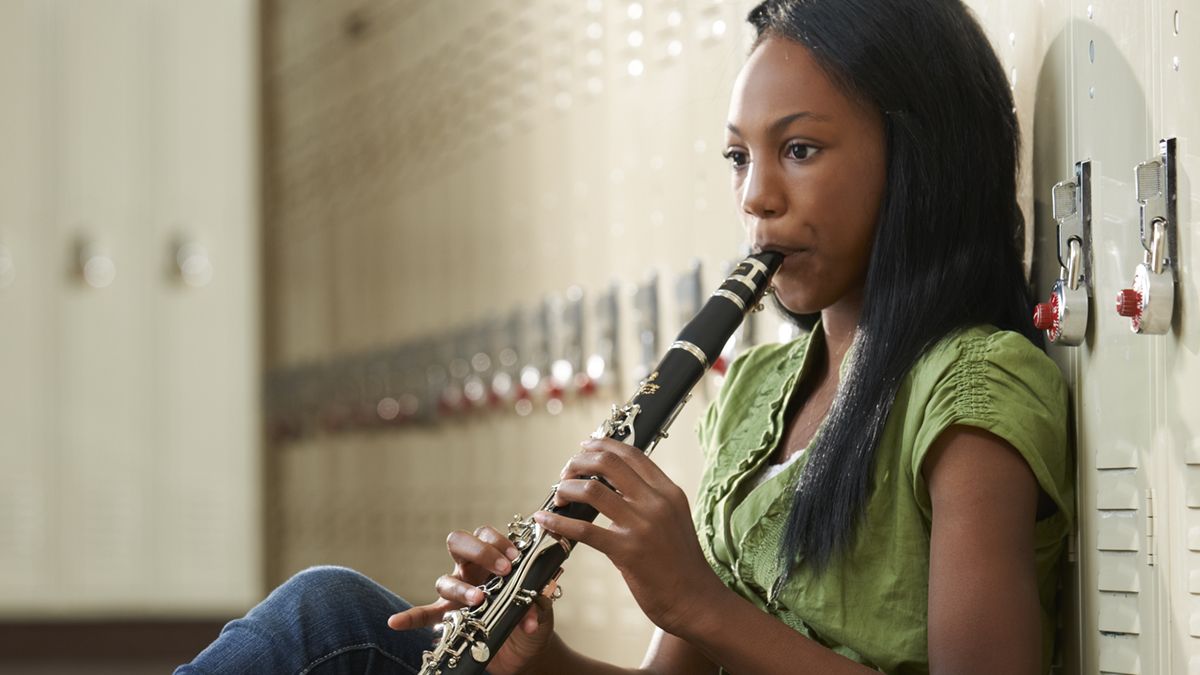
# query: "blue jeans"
[[323, 621]]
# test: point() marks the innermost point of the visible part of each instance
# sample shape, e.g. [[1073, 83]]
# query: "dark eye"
[[801, 151], [737, 158]]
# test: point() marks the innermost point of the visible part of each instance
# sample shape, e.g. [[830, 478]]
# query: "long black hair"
[[947, 249]]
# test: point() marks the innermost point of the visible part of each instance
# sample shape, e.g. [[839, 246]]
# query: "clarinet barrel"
[[472, 635]]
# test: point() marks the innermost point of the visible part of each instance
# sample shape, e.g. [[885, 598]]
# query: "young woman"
[[891, 491]]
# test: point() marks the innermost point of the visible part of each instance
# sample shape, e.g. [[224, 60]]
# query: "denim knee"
[[317, 615], [329, 586], [318, 596]]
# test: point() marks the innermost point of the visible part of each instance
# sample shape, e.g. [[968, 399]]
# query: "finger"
[[530, 622], [593, 535], [636, 459], [502, 543], [611, 467], [422, 616], [456, 590], [471, 573], [657, 480], [466, 548], [594, 493]]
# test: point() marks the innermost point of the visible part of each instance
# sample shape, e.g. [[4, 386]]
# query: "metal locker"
[[128, 214], [1130, 391], [100, 99], [202, 263], [1174, 63], [26, 491]]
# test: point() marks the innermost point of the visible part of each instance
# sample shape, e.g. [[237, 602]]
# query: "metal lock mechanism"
[[1064, 316], [1149, 305]]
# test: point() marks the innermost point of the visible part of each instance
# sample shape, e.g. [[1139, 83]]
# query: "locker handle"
[[95, 264], [193, 264]]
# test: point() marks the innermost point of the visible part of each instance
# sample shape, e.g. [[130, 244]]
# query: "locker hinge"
[[1150, 556], [1071, 547]]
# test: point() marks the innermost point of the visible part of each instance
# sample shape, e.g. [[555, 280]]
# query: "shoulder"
[[969, 354], [1000, 382], [985, 372]]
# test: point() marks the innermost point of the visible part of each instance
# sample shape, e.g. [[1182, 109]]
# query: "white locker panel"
[[1176, 69], [1117, 654], [1119, 614], [1118, 573], [1110, 96], [1116, 490], [129, 468], [202, 207], [25, 464], [100, 104], [1118, 532]]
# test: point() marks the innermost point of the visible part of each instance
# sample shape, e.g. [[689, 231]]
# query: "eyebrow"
[[783, 122]]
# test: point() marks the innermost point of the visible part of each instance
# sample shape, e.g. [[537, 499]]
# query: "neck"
[[839, 322]]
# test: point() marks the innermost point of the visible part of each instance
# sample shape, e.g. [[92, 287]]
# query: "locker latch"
[[1064, 316], [1150, 303]]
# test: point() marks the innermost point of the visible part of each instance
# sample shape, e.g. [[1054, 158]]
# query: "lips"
[[785, 250]]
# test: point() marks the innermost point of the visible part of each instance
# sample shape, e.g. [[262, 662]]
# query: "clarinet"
[[472, 635]]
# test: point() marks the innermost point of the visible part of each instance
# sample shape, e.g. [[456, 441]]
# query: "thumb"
[[540, 614]]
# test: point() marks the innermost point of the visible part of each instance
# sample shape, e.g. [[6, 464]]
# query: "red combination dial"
[[1045, 315], [1129, 303]]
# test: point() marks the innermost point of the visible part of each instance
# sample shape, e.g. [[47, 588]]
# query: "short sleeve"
[[1005, 385]]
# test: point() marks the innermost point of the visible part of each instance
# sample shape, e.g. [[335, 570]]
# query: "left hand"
[[651, 539]]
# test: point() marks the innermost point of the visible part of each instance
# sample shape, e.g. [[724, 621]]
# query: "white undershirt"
[[771, 470]]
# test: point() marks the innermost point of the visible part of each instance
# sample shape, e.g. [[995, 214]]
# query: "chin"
[[797, 303], [795, 306]]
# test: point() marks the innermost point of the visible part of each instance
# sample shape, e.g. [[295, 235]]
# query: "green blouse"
[[872, 604]]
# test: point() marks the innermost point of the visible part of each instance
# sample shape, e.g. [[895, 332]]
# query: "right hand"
[[476, 557]]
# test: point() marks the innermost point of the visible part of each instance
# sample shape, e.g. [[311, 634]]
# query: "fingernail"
[[475, 596], [502, 567], [512, 553], [591, 443]]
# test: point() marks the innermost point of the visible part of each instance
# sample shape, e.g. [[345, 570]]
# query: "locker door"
[[1117, 370], [98, 61], [1176, 59], [201, 259], [26, 453], [1043, 89]]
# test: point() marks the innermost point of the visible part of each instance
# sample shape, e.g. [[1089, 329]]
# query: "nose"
[[762, 195]]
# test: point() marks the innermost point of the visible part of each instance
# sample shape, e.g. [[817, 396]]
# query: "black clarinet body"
[[472, 635]]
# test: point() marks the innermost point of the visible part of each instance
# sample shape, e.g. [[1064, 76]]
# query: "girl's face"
[[809, 172]]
